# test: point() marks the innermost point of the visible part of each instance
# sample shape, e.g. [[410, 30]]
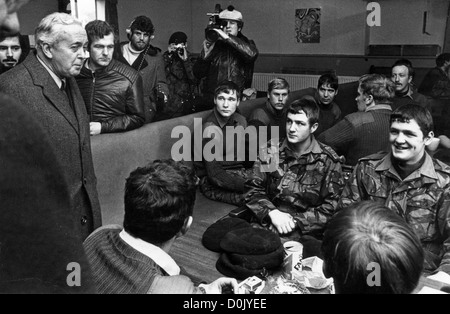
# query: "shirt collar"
[[55, 77], [313, 148], [152, 251], [426, 170], [379, 107]]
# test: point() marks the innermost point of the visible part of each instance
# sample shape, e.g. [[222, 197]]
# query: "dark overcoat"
[[67, 129]]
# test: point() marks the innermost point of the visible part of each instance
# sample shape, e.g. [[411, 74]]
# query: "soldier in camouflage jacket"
[[305, 186], [422, 198]]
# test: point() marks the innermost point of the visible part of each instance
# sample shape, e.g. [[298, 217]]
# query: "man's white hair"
[[47, 32]]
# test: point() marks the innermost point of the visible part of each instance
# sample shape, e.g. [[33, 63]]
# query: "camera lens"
[[211, 35]]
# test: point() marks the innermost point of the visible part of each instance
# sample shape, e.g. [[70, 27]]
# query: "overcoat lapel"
[[55, 96]]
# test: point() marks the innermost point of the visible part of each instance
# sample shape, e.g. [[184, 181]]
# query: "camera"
[[213, 23], [179, 51]]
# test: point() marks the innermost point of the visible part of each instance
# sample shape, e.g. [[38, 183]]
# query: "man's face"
[[362, 100], [226, 103], [67, 56], [139, 40], [400, 76], [326, 94], [10, 51], [231, 27], [298, 128], [278, 98], [408, 141], [101, 52], [9, 24]]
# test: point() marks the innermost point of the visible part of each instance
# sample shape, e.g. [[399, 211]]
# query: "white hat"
[[230, 14]]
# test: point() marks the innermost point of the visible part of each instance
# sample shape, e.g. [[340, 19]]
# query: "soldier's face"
[[9, 24], [298, 128], [278, 98], [226, 103], [400, 76], [408, 141], [327, 94]]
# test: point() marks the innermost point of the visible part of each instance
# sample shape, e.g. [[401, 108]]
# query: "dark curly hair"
[[143, 24]]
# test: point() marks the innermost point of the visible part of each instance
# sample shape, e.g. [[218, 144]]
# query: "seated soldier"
[[368, 249], [410, 183], [327, 90], [224, 171], [364, 132], [299, 194], [159, 202], [273, 111]]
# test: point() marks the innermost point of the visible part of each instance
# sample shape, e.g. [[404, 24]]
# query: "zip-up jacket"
[[113, 97]]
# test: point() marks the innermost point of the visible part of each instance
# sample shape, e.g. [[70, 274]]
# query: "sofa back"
[[115, 155]]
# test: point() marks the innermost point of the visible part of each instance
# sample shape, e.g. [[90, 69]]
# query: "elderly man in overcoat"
[[44, 84]]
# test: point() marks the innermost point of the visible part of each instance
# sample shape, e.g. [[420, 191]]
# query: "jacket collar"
[[314, 148], [427, 169]]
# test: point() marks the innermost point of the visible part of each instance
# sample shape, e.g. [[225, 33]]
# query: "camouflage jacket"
[[307, 186], [423, 199]]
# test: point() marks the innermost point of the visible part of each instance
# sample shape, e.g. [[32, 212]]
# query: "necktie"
[[63, 88]]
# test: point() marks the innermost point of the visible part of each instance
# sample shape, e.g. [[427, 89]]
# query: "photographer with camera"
[[180, 78], [226, 55]]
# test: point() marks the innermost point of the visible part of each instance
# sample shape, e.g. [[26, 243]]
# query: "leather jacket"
[[113, 96], [232, 59]]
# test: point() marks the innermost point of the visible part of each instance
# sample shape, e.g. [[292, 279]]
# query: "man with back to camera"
[[112, 91], [327, 90], [13, 50], [44, 84], [231, 57], [402, 74], [364, 132], [159, 203], [148, 61], [273, 111], [409, 182]]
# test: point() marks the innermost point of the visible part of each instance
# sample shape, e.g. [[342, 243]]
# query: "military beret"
[[255, 262], [250, 241], [228, 269], [217, 231]]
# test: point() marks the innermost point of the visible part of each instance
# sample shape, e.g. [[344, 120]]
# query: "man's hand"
[[283, 222], [208, 47], [183, 56], [220, 284], [95, 128]]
